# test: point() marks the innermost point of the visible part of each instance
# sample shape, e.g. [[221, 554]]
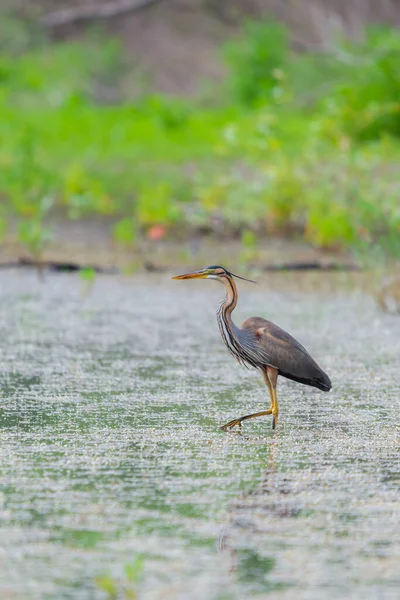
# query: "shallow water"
[[110, 447]]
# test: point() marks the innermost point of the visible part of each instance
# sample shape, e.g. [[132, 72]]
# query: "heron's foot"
[[274, 419], [229, 426]]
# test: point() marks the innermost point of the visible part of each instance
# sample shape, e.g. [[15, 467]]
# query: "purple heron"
[[261, 344]]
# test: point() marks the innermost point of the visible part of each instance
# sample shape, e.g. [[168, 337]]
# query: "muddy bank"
[[90, 243]]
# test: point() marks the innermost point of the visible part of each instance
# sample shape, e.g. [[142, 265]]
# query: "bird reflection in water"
[[239, 539]]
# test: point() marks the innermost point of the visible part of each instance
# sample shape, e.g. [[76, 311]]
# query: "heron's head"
[[212, 272]]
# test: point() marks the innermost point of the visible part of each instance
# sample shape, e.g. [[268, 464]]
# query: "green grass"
[[302, 145]]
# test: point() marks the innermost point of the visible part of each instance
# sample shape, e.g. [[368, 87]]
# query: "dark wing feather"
[[270, 345]]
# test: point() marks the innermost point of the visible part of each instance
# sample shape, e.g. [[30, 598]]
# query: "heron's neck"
[[228, 329], [230, 300], [233, 336]]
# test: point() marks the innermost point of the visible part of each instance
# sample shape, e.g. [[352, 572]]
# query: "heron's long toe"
[[229, 426]]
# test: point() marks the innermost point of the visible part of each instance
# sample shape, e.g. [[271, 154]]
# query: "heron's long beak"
[[195, 275]]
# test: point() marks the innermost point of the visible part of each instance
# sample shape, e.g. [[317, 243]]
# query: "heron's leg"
[[272, 375], [238, 421]]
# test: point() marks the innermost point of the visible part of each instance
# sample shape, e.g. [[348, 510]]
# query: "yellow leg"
[[275, 411], [270, 380], [272, 375]]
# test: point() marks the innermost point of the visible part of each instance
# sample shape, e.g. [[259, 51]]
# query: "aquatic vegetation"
[[125, 589], [111, 447]]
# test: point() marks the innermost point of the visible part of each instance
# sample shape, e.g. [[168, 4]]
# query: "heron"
[[261, 344]]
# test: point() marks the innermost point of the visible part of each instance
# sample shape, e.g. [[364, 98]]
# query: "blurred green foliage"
[[257, 61], [304, 144]]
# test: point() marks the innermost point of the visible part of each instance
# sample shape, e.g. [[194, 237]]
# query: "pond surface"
[[110, 448]]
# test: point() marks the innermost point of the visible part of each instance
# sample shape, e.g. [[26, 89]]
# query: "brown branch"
[[308, 266], [107, 10]]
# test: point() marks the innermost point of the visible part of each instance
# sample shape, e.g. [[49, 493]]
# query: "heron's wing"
[[274, 347], [272, 340]]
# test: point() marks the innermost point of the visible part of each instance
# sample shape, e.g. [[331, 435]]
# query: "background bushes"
[[297, 144]]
